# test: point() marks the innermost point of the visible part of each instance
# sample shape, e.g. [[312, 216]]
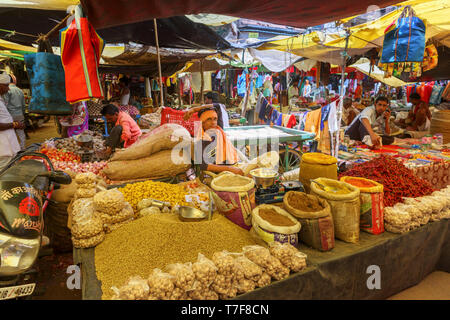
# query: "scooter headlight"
[[17, 254]]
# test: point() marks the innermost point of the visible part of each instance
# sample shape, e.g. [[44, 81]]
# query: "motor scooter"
[[26, 186]]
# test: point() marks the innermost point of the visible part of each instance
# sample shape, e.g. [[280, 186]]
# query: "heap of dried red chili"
[[398, 181]]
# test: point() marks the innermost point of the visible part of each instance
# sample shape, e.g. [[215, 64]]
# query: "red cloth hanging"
[[81, 50]]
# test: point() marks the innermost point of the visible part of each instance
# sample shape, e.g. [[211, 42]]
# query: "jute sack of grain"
[[157, 166], [235, 198], [271, 228], [345, 207], [314, 214], [317, 233], [65, 193], [164, 137]]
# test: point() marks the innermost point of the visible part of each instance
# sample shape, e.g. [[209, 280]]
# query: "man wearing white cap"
[[9, 146], [15, 102]]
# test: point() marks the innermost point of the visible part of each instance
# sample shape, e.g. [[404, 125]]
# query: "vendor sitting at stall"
[[125, 131], [211, 102], [217, 153], [419, 118], [361, 128]]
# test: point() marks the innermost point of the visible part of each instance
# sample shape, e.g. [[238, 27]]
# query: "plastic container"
[[317, 165]]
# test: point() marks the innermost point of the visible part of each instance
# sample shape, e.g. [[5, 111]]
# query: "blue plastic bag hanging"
[[47, 83], [404, 44]]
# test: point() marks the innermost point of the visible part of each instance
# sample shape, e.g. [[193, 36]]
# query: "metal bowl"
[[264, 177], [85, 140], [191, 214]]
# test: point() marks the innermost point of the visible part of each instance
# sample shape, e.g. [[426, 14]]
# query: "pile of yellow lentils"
[[173, 193]]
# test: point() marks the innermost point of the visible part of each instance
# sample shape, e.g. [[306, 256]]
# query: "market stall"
[[404, 261]]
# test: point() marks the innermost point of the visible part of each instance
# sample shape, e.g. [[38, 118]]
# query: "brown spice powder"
[[275, 218], [232, 181], [302, 202]]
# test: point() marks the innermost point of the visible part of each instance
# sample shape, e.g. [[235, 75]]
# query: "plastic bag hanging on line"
[[81, 49]]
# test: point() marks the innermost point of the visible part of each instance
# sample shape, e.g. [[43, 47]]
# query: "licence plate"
[[17, 291]]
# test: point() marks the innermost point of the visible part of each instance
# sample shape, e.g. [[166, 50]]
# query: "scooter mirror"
[[57, 176]]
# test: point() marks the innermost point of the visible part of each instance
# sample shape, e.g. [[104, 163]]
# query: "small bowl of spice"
[[188, 214]]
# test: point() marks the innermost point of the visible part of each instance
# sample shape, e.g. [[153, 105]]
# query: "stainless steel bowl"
[[264, 177], [85, 141], [191, 214]]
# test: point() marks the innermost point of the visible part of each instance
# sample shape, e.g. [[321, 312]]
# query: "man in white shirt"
[[9, 146], [361, 128], [15, 102]]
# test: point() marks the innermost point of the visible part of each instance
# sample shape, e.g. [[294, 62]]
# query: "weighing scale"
[[276, 192]]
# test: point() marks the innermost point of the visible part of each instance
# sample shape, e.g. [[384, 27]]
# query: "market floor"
[[436, 286], [46, 131], [53, 277]]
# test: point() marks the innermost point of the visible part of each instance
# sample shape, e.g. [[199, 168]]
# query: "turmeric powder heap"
[[275, 218]]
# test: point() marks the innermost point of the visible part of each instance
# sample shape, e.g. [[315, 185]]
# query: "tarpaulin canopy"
[[61, 5], [305, 13], [24, 25], [7, 45], [174, 32], [435, 13], [144, 61], [327, 47]]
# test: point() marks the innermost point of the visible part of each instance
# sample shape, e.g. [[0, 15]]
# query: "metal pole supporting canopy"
[[341, 94]]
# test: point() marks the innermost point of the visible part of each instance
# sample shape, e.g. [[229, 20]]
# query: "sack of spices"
[[236, 198], [272, 223], [165, 137], [302, 205], [315, 165], [163, 164], [314, 215], [344, 202], [371, 197]]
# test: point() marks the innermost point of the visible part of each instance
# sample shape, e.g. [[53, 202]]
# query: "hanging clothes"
[[312, 122], [148, 89], [279, 120], [324, 115], [324, 145], [291, 122], [242, 84], [268, 114], [274, 117], [285, 120], [332, 117], [262, 110], [81, 50], [301, 121]]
